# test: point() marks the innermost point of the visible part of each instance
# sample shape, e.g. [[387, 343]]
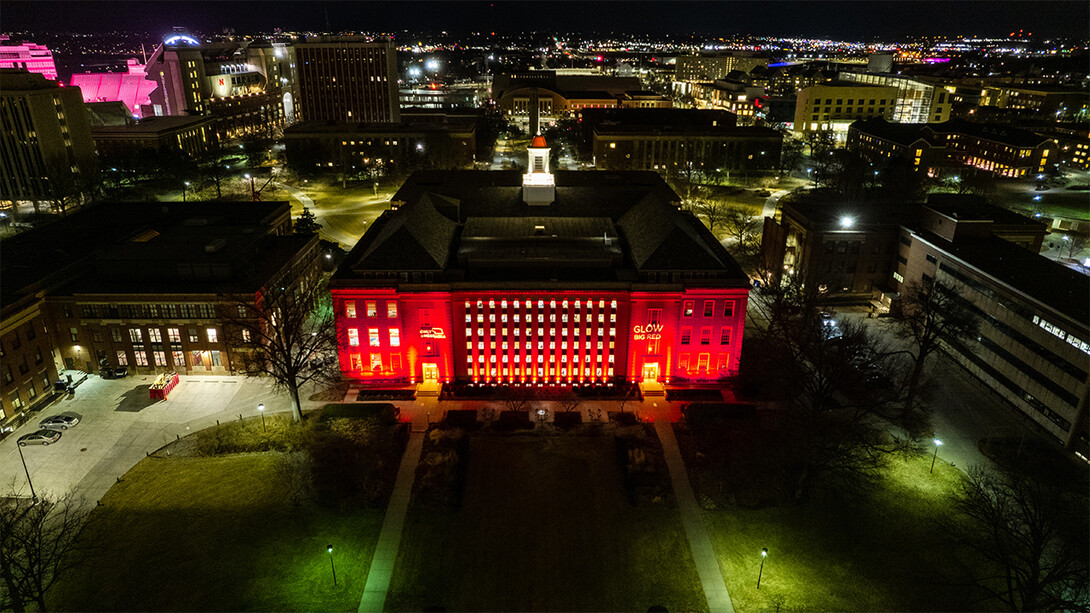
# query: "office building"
[[195, 136], [659, 139], [348, 79], [918, 101], [572, 278], [558, 94], [712, 67], [835, 105], [46, 141]]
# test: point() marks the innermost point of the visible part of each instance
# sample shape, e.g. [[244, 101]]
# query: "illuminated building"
[[559, 94], [712, 67], [147, 286], [30, 57], [572, 278], [245, 86], [657, 139], [835, 105], [132, 87], [347, 79], [918, 101], [193, 135], [46, 141]]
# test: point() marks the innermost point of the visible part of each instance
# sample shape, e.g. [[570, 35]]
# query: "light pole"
[[810, 175], [261, 409], [185, 184], [33, 496], [938, 443], [329, 548], [764, 554], [253, 190]]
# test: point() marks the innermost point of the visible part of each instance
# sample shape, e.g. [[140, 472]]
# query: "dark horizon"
[[842, 20]]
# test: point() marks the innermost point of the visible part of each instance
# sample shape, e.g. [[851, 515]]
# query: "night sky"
[[863, 21]]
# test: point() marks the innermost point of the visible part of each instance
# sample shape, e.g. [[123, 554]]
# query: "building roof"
[[164, 124], [1054, 285], [903, 134], [1008, 135], [602, 227], [538, 142], [69, 251]]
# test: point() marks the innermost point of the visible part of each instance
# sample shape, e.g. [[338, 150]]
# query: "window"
[[115, 335], [706, 335], [8, 376], [724, 361], [687, 309], [395, 337], [353, 337], [174, 335], [141, 358], [724, 336], [122, 358], [391, 309], [155, 335], [355, 362], [74, 334], [160, 358], [372, 309], [245, 336], [198, 358], [372, 334], [193, 338], [30, 391], [350, 309], [709, 308], [653, 316], [135, 335], [212, 336], [179, 359], [686, 335], [931, 258], [37, 355], [215, 358], [376, 362], [702, 362], [728, 308]]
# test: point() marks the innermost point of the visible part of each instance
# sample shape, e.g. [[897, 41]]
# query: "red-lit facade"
[[568, 337], [600, 281]]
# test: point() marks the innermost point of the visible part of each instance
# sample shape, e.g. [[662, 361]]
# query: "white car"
[[61, 422]]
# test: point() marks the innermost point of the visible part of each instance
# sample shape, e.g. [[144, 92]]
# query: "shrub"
[[382, 412], [514, 420], [461, 418]]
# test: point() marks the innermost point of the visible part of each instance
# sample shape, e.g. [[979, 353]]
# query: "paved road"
[[119, 425]]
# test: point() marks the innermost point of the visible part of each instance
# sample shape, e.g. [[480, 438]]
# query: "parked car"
[[121, 372], [62, 422], [41, 437]]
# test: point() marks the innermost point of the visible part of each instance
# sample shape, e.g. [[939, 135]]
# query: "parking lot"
[[119, 425]]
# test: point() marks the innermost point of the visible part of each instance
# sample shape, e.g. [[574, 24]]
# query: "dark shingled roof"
[[601, 227], [900, 133]]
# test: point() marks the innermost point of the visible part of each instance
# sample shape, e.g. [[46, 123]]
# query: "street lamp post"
[[764, 554], [33, 496], [329, 548], [253, 189], [185, 184], [938, 443], [261, 409]]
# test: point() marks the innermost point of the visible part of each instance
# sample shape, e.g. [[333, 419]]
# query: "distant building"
[[193, 135], [31, 57], [660, 139], [511, 279], [132, 87], [46, 142], [835, 105], [1051, 102], [240, 84], [420, 139], [712, 67], [728, 95], [881, 142], [348, 79], [147, 286], [918, 101], [563, 95]]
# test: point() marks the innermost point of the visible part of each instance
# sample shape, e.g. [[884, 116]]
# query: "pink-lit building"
[[28, 56], [132, 87]]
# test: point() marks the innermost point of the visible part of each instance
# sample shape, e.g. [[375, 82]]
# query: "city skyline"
[[834, 20]]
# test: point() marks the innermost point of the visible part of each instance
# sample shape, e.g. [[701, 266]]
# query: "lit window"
[[688, 308], [709, 308], [395, 337], [353, 337], [372, 334], [212, 336], [728, 308], [391, 309], [372, 309], [122, 358], [245, 336], [136, 335], [350, 308], [706, 335], [174, 334]]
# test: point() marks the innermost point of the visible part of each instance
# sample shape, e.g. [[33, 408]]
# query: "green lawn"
[[544, 526], [217, 534], [880, 551]]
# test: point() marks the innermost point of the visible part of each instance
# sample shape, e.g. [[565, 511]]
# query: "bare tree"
[[1032, 537], [39, 543], [930, 313], [569, 402], [713, 210], [294, 471], [286, 332], [1073, 244], [744, 228], [515, 399]]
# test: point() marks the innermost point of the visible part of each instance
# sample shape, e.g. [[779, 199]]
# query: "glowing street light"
[[261, 409], [764, 554], [846, 222], [329, 548], [185, 184], [938, 443]]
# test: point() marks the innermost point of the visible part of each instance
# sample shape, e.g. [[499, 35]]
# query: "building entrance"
[[651, 372], [431, 373]]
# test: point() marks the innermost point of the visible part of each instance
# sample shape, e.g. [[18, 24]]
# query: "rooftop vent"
[[215, 245]]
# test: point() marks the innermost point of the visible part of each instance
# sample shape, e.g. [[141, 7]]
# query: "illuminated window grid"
[[530, 328]]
